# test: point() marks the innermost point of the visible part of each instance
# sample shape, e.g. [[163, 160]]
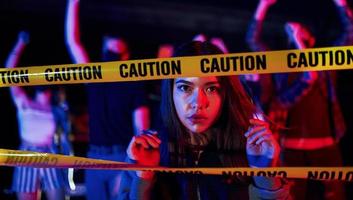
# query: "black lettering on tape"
[[14, 76], [143, 69], [235, 63], [319, 58], [73, 73]]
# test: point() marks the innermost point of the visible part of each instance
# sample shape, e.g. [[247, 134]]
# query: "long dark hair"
[[235, 114]]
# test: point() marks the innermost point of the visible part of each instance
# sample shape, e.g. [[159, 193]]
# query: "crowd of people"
[[287, 119]]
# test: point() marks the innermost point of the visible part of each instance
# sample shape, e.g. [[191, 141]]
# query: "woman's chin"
[[198, 129]]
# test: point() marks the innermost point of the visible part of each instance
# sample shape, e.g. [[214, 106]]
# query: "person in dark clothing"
[[209, 123], [306, 104], [116, 111]]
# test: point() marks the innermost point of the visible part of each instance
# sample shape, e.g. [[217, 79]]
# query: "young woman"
[[210, 123], [39, 119]]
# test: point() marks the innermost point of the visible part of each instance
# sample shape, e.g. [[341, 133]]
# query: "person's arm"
[[17, 93], [217, 41], [72, 33], [304, 83], [141, 119], [263, 151], [140, 110], [281, 193], [253, 35], [66, 146], [200, 37], [143, 150], [262, 9], [165, 51], [346, 18], [63, 126], [65, 143], [289, 96], [65, 123]]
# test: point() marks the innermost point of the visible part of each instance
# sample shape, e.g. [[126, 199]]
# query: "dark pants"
[[104, 184], [310, 189]]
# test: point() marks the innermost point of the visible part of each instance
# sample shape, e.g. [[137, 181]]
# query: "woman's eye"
[[184, 88], [212, 89]]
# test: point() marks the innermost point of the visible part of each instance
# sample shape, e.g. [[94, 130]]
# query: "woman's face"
[[197, 101]]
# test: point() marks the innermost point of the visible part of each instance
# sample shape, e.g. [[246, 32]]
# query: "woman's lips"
[[196, 118]]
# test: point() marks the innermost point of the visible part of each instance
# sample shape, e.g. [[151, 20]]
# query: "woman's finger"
[[139, 140], [153, 135], [253, 130], [264, 138], [148, 141], [258, 135], [258, 122]]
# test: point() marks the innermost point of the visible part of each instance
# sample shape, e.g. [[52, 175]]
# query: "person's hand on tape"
[[144, 149]]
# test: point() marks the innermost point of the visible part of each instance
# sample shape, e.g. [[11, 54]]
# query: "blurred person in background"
[[117, 111], [306, 104], [41, 117]]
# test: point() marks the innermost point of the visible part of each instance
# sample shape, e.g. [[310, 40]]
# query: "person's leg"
[[115, 176], [55, 194], [26, 183], [95, 186], [28, 196], [114, 184], [52, 183], [95, 181]]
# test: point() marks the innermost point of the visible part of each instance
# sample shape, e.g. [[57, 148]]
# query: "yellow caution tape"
[[316, 59], [331, 58], [46, 160]]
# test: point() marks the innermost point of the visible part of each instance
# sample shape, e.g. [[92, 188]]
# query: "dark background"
[[145, 25]]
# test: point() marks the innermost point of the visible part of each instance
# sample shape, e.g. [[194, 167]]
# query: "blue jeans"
[[104, 184]]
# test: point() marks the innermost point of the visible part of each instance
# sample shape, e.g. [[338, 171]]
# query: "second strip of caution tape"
[[47, 160]]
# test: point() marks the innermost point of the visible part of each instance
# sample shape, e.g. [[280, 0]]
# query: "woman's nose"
[[200, 100]]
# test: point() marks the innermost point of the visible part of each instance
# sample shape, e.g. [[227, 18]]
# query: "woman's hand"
[[23, 37], [262, 9], [261, 147], [269, 2], [340, 2], [144, 149]]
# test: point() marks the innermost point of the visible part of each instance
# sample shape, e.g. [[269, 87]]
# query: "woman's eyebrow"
[[212, 83], [184, 81]]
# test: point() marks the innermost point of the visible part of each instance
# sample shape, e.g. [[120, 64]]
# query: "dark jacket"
[[198, 187]]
